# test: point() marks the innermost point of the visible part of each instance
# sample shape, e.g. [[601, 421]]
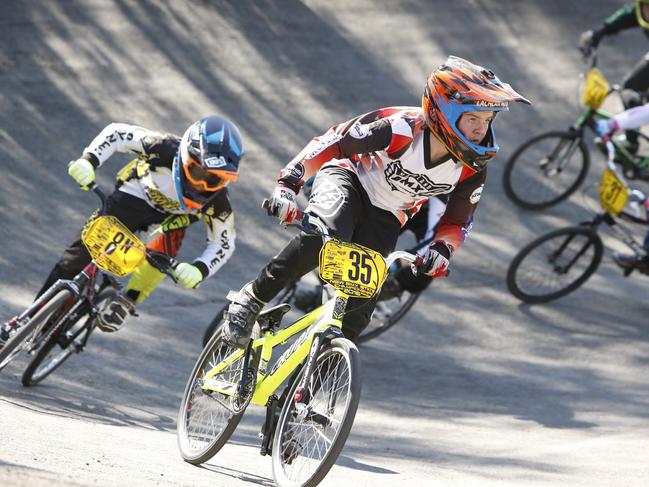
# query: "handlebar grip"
[[299, 214], [419, 260]]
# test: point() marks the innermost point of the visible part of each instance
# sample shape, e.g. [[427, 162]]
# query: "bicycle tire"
[[34, 373], [376, 327], [289, 448], [214, 325], [210, 356], [520, 188], [519, 270], [12, 347]]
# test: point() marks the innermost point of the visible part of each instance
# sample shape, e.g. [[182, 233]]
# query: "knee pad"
[[357, 317], [631, 98]]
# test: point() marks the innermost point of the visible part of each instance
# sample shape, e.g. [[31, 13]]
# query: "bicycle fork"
[[302, 395]]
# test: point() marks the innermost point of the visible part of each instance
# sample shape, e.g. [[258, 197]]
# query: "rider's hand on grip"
[[82, 172], [587, 42], [282, 204], [434, 262]]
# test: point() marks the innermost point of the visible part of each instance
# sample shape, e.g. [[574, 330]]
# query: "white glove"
[[282, 204], [82, 172], [189, 275]]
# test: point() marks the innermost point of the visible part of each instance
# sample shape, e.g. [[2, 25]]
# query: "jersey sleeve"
[[339, 142], [622, 19], [221, 236], [117, 137], [457, 219]]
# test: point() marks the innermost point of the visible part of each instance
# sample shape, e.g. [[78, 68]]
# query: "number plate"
[[595, 90], [613, 193], [113, 246], [353, 269]]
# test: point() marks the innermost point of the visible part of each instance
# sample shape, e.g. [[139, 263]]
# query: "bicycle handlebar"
[[314, 226], [590, 58], [100, 193], [163, 262]]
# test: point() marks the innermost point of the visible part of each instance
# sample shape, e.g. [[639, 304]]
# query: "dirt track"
[[486, 392]]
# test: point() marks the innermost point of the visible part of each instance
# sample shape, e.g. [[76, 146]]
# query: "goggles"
[[206, 179]]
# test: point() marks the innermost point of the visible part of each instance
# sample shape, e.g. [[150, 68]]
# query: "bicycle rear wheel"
[[310, 435], [207, 419], [546, 169], [29, 330], [555, 264], [386, 314], [58, 348]]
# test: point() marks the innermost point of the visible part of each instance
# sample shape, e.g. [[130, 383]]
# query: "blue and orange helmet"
[[207, 160], [457, 87]]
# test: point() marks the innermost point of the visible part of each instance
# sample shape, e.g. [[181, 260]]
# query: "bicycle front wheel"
[[546, 169], [555, 264], [310, 435], [207, 419], [386, 314], [29, 330], [58, 347]]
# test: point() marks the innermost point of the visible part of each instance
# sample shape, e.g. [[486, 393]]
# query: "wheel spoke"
[[554, 265], [546, 169], [311, 431]]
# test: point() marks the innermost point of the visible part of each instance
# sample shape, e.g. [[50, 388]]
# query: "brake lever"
[[164, 263]]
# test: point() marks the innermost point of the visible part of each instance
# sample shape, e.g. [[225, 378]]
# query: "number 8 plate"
[[113, 246], [353, 269]]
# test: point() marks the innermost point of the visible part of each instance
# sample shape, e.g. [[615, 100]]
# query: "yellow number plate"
[[113, 247], [353, 269], [596, 89], [613, 193]]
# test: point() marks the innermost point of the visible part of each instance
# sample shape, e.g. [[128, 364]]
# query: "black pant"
[[133, 212], [338, 200]]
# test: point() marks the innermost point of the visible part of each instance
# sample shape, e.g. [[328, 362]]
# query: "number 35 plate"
[[351, 268]]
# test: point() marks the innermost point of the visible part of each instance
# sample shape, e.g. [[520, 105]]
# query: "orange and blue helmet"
[[457, 87], [207, 160]]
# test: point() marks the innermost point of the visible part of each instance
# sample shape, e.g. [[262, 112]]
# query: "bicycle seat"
[[272, 317]]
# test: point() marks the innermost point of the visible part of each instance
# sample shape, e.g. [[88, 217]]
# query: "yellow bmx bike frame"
[[354, 271]]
